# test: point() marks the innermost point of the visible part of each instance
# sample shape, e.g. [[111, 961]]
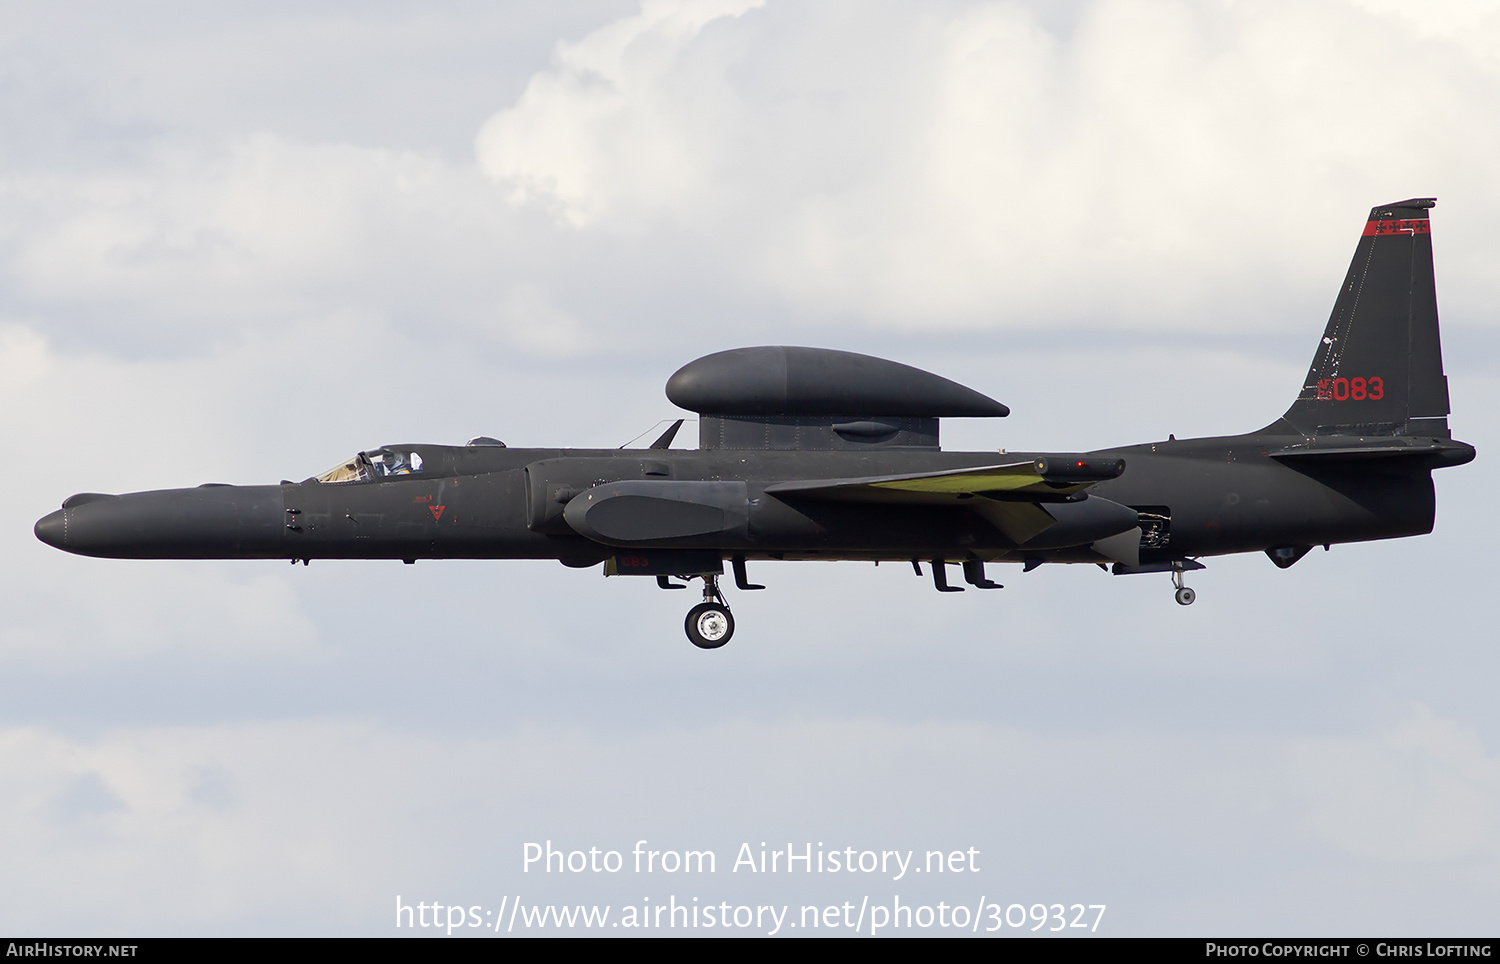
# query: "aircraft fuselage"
[[1217, 496]]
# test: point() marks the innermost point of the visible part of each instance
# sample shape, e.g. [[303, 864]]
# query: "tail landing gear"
[[709, 624], [1177, 567], [1184, 595]]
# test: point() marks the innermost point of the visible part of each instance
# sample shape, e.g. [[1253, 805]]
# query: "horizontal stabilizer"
[[1434, 451]]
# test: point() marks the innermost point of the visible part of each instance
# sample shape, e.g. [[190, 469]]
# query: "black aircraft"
[[807, 453]]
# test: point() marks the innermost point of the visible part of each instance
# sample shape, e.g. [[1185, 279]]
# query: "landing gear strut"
[[1184, 595], [709, 624]]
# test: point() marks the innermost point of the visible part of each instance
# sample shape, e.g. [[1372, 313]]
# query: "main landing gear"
[[1184, 595], [710, 624]]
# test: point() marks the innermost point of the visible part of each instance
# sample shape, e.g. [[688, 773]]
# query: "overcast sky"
[[239, 242]]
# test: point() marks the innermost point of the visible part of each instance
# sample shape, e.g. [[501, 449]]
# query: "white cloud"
[[259, 232], [710, 168], [540, 326], [967, 166], [612, 126], [23, 360]]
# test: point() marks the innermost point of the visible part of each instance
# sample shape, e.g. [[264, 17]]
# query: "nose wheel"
[[709, 624], [1184, 595]]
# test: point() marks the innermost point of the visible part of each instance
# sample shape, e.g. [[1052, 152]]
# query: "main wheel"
[[709, 625], [1185, 596]]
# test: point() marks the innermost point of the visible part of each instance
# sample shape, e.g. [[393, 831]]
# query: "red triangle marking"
[[437, 511]]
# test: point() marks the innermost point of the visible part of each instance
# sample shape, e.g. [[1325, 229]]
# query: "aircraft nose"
[[53, 529], [208, 522]]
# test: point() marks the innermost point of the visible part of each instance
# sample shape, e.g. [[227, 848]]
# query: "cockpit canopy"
[[374, 464]]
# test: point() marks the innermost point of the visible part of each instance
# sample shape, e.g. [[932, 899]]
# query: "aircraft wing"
[[1049, 479]]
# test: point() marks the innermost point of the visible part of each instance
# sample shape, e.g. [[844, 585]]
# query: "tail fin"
[[1379, 368]]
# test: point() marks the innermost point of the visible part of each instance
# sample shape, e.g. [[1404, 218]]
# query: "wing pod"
[[1071, 469]]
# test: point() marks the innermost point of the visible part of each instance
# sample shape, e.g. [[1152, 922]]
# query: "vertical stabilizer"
[[1379, 367]]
